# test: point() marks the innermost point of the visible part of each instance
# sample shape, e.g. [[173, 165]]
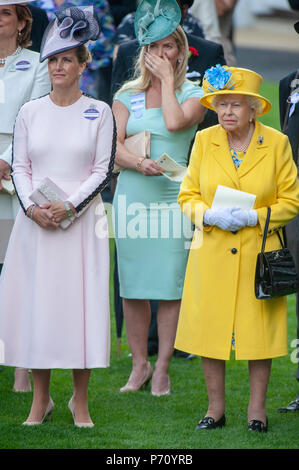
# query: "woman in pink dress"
[[54, 287]]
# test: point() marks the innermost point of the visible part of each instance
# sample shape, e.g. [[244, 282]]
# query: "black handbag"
[[275, 273]]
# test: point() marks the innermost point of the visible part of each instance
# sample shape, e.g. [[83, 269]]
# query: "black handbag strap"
[[283, 242]]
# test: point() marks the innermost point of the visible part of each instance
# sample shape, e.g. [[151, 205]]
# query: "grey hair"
[[253, 102]]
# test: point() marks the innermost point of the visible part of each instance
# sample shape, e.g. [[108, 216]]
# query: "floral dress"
[[101, 50]]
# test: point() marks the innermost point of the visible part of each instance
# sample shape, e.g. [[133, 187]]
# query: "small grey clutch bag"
[[48, 191]]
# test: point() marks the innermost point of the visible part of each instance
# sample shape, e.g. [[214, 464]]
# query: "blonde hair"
[[142, 78]]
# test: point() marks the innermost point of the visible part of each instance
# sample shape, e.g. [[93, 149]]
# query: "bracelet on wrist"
[[31, 212], [69, 211], [138, 164]]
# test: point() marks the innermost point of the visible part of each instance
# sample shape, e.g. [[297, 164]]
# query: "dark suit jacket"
[[120, 8], [294, 4], [210, 54], [40, 22], [292, 130]]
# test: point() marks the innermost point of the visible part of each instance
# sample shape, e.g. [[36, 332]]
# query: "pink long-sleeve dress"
[[54, 286]]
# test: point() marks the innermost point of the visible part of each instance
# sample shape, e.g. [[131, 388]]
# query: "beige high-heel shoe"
[[130, 387], [47, 415], [158, 393], [71, 407]]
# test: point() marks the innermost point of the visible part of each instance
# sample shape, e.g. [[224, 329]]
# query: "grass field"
[[141, 421]]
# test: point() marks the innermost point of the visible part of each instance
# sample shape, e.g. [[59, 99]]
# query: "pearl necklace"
[[244, 147], [17, 51]]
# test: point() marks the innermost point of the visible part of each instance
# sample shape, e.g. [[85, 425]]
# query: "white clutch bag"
[[139, 144], [8, 186], [48, 191]]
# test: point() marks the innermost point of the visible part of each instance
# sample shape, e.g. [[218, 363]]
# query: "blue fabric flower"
[[218, 77]]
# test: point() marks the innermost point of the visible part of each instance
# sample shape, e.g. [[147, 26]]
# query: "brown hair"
[[83, 54], [24, 14]]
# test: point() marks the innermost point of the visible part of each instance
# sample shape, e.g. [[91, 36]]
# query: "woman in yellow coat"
[[219, 309]]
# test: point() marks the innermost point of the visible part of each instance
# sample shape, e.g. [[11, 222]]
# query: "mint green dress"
[[152, 236]]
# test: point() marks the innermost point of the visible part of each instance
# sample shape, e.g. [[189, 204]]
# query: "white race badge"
[[91, 113], [23, 65]]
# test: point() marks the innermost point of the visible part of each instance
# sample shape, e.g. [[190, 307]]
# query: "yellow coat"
[[218, 297]]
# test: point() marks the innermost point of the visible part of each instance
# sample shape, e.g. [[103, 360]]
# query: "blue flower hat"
[[156, 19], [224, 80]]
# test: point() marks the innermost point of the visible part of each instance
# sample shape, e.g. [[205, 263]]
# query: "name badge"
[[91, 113], [23, 65], [138, 105]]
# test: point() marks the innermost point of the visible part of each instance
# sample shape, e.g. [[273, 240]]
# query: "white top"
[[72, 145], [22, 79], [205, 11]]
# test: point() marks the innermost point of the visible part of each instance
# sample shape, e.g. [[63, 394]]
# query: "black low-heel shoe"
[[210, 423], [256, 425]]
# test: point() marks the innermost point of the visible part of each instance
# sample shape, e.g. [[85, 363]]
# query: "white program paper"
[[229, 197], [176, 172]]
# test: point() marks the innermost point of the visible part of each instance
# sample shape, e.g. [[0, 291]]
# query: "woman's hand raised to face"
[[159, 67]]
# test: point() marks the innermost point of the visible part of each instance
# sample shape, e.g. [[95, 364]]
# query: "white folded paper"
[[174, 171], [229, 197]]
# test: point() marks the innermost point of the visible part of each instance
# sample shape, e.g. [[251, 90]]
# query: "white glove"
[[223, 218], [246, 217]]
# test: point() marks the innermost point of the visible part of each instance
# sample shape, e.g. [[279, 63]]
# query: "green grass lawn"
[[141, 421]]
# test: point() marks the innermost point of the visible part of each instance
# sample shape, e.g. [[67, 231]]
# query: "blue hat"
[[156, 19]]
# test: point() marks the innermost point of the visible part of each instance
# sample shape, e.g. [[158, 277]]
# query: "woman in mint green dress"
[[151, 247]]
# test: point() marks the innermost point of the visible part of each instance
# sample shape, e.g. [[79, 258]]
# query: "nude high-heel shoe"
[[130, 387], [47, 415], [156, 392], [71, 407]]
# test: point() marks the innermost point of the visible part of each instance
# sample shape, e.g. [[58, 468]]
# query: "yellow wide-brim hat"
[[224, 80]]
